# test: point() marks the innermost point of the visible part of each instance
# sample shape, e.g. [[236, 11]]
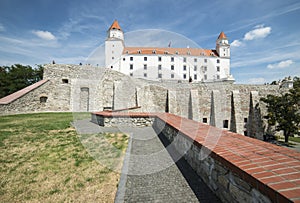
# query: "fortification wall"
[[85, 88]]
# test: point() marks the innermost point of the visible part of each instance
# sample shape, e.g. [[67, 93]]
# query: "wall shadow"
[[200, 189]]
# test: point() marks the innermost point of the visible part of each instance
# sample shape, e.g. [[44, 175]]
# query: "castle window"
[[172, 67], [184, 67], [43, 99], [145, 66], [184, 76], [159, 58], [159, 75], [204, 120], [184, 59], [225, 123], [195, 59], [65, 81], [172, 59], [195, 68], [245, 120], [131, 66], [145, 75], [145, 58], [172, 75], [218, 61], [218, 68], [131, 58], [159, 67], [205, 60], [195, 77]]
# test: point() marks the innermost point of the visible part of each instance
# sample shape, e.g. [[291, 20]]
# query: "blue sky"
[[265, 35]]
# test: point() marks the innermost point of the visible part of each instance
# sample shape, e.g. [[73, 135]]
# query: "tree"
[[283, 111], [17, 77]]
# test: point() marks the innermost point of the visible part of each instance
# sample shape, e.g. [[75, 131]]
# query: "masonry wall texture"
[[77, 88]]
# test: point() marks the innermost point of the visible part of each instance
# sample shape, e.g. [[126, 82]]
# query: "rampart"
[[237, 168], [76, 88]]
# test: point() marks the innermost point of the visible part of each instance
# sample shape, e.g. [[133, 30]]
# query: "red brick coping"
[[271, 169], [10, 98]]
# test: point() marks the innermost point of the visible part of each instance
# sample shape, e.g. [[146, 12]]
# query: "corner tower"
[[222, 46], [114, 45]]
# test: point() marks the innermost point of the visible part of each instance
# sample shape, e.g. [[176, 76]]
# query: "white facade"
[[155, 63]]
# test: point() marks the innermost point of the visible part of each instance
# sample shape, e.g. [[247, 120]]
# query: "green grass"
[[42, 159], [294, 139]]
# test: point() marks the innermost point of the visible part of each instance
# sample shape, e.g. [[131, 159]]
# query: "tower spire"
[[115, 26]]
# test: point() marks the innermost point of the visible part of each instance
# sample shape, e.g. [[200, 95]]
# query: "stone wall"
[[85, 88], [235, 167], [227, 185]]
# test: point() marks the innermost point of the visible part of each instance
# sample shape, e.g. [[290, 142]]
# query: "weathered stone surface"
[[85, 88]]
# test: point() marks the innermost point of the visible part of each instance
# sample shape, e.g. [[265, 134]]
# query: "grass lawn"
[[42, 160], [295, 139]]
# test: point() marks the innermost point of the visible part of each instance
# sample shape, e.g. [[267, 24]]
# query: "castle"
[[166, 63], [85, 88]]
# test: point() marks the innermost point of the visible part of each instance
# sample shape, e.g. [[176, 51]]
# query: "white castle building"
[[168, 63]]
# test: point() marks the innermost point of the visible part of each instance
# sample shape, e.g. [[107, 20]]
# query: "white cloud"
[[236, 43], [259, 32], [46, 35], [2, 28], [281, 64], [256, 80]]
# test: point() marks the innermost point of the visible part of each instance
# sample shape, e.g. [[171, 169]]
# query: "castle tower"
[[114, 45], [222, 46]]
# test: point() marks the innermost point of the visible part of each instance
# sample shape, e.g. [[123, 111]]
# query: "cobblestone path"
[[150, 175]]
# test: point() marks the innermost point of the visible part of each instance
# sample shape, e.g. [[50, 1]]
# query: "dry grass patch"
[[42, 160]]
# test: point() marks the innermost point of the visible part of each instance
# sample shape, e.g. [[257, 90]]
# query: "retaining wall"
[[237, 168]]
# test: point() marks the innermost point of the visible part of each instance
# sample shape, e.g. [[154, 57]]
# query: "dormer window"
[[154, 52], [166, 52], [127, 52], [188, 53], [139, 51], [176, 52]]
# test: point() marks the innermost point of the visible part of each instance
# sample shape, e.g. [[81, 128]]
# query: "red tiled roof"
[[222, 36], [170, 50], [10, 98], [115, 25]]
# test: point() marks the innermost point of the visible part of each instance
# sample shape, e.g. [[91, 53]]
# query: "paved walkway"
[[149, 173]]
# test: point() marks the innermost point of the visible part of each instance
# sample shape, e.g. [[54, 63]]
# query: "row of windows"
[[172, 59], [172, 76], [173, 67]]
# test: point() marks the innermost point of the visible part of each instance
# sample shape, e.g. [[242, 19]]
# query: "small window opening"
[[43, 99], [65, 81], [204, 120]]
